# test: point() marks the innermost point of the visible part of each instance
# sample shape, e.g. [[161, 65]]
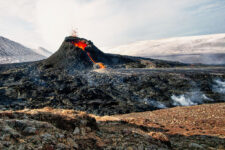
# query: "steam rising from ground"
[[190, 98], [154, 103], [182, 100], [197, 97], [219, 86]]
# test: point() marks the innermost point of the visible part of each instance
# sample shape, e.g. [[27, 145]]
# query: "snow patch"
[[13, 52], [181, 45], [207, 49]]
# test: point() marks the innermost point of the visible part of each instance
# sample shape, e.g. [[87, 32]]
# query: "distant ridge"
[[43, 51], [13, 52], [206, 49]]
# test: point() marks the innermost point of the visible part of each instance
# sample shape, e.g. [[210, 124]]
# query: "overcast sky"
[[107, 22]]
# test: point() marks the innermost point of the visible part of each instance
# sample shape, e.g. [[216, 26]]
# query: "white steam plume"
[[190, 98], [219, 86]]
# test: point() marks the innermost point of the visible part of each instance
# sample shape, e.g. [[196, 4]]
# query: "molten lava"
[[83, 45], [101, 65]]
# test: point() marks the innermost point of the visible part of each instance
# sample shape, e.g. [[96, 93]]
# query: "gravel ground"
[[193, 127]]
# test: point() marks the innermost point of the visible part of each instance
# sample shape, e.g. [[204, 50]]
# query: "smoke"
[[91, 19], [219, 86], [191, 98], [182, 100], [154, 103]]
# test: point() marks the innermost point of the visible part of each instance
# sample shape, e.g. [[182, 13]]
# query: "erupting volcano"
[[82, 45], [77, 53]]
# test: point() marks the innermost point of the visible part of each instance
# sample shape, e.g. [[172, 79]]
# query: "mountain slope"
[[43, 51], [208, 49], [13, 52]]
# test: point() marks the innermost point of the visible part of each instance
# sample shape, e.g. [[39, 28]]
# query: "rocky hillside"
[[12, 52], [196, 127], [206, 49]]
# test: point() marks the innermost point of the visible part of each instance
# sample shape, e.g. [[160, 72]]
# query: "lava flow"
[[83, 45]]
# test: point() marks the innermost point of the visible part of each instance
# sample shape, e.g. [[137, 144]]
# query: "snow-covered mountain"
[[13, 52], [43, 51], [207, 49]]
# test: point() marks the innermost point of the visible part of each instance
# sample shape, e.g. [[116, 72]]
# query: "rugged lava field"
[[70, 80], [110, 91]]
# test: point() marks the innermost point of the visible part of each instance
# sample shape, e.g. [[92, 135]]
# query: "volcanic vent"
[[77, 53]]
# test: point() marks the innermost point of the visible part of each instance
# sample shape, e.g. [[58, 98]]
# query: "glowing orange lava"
[[83, 45], [101, 65]]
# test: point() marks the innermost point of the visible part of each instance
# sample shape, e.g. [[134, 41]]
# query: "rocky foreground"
[[195, 127]]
